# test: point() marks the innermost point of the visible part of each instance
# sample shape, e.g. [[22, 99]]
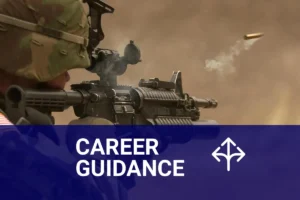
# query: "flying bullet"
[[253, 36]]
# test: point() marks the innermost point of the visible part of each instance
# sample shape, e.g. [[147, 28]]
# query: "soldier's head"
[[41, 40]]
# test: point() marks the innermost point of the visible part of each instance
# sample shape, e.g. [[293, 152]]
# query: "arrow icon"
[[241, 154]]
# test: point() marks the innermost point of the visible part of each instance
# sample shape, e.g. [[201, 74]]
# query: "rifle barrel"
[[204, 103]]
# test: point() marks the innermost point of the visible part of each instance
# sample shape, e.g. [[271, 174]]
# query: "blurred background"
[[184, 35]]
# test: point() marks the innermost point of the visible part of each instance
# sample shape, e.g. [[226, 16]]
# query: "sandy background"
[[181, 36]]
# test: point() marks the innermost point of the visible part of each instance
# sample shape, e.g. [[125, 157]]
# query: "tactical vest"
[[54, 180]]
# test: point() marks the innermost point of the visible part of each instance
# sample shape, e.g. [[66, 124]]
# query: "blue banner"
[[147, 162]]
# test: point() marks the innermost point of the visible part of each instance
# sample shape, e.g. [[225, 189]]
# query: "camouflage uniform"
[[40, 40]]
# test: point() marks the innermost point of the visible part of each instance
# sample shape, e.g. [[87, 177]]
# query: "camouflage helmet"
[[41, 39]]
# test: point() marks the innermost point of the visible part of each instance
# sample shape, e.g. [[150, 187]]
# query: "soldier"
[[40, 41]]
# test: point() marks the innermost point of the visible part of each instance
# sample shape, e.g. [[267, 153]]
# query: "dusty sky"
[[180, 36]]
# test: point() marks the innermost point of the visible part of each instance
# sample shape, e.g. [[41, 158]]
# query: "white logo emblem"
[[228, 156]]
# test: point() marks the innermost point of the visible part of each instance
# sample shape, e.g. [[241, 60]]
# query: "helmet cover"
[[41, 39]]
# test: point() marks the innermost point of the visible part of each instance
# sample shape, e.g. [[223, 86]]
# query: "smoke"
[[223, 63], [261, 85]]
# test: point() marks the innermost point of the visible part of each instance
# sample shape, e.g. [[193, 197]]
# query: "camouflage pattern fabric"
[[26, 173], [37, 56]]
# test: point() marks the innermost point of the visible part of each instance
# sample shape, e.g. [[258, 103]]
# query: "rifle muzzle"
[[204, 103]]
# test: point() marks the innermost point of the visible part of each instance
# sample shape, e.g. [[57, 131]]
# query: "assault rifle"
[[152, 102]]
